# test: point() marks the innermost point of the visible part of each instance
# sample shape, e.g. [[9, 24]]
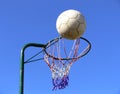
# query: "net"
[[60, 55]]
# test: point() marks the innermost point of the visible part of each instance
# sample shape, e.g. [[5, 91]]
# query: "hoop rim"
[[88, 48]]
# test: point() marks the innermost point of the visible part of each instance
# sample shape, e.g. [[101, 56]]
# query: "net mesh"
[[60, 73], [59, 56]]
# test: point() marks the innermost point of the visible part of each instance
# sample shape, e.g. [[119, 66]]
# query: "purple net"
[[60, 83]]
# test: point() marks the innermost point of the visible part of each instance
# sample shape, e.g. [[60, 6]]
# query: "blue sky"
[[25, 21]]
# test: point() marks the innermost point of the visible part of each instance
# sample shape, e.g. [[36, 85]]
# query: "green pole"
[[23, 62]]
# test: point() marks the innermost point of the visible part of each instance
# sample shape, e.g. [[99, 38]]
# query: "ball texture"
[[70, 24]]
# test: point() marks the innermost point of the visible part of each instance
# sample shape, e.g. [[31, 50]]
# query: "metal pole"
[[23, 62]]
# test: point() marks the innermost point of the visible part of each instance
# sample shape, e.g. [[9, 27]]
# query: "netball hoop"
[[60, 55]]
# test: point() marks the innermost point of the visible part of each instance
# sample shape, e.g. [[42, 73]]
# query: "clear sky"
[[25, 21]]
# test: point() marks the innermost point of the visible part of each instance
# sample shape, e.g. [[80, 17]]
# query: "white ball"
[[71, 24]]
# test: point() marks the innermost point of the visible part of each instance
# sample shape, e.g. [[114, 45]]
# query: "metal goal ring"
[[58, 58]]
